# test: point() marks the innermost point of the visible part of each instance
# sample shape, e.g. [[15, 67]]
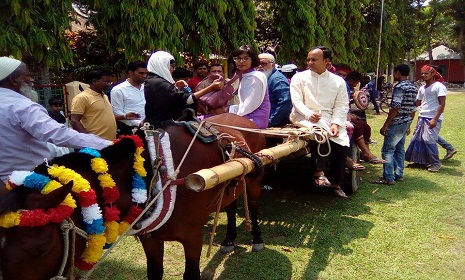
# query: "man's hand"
[[180, 84], [315, 117], [432, 123], [131, 116], [383, 130], [217, 84], [334, 130]]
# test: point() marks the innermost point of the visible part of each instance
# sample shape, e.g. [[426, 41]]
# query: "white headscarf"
[[159, 63]]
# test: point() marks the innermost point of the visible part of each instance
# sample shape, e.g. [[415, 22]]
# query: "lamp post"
[[379, 40]]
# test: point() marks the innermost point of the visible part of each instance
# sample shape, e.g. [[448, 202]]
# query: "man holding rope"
[[320, 102]]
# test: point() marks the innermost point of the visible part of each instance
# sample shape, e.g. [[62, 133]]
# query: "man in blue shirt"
[[396, 126], [373, 94], [278, 89]]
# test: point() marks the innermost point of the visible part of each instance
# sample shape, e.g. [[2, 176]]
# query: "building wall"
[[453, 70]]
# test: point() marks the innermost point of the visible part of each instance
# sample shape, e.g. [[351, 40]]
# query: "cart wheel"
[[353, 177]]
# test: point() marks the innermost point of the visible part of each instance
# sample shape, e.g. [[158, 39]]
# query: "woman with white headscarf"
[[165, 98]]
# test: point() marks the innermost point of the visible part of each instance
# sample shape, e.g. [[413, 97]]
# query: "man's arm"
[[76, 123], [396, 102], [283, 106], [38, 123], [391, 115], [297, 97], [442, 104]]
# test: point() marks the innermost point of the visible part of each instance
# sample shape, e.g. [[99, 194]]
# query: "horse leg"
[[192, 250], [257, 241], [253, 193], [154, 249], [231, 232]]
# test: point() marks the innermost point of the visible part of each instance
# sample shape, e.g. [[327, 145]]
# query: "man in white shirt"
[[431, 99], [26, 126], [319, 99], [128, 100]]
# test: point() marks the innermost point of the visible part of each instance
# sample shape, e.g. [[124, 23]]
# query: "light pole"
[[379, 41]]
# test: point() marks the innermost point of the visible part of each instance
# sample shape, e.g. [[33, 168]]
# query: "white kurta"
[[325, 93]]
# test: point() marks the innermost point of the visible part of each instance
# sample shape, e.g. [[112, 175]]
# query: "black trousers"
[[124, 129], [336, 158]]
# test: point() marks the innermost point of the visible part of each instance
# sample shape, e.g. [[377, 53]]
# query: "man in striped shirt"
[[395, 128]]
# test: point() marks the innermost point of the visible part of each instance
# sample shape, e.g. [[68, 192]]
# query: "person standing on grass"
[[431, 99], [397, 124]]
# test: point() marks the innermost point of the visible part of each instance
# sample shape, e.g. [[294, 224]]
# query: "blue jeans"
[[443, 143], [373, 99], [393, 151]]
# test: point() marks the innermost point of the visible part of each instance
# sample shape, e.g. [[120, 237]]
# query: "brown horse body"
[[41, 248]]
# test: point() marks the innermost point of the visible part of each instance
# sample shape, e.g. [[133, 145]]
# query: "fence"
[[45, 92]]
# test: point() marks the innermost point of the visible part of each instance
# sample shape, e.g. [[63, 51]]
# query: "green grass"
[[413, 230]]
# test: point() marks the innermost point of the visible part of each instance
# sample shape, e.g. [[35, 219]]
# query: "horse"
[[35, 253]]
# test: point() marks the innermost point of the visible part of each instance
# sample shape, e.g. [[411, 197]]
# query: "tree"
[[191, 27], [456, 10], [437, 25], [35, 29]]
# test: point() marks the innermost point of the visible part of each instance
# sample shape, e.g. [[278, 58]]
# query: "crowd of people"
[[267, 94]]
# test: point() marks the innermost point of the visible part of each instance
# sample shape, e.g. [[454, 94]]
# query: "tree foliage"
[[192, 27], [36, 29], [456, 10], [127, 30]]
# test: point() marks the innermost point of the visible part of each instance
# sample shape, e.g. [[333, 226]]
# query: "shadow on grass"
[[120, 270], [298, 218]]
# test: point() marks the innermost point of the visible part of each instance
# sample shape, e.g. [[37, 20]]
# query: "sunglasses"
[[264, 64]]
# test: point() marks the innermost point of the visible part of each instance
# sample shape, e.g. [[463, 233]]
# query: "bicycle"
[[385, 97], [384, 103]]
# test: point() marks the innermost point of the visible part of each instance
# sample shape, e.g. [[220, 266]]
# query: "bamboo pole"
[[210, 177]]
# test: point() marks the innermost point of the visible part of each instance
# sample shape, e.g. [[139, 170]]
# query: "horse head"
[[37, 247]]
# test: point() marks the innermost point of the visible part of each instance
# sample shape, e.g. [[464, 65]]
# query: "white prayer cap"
[[8, 66], [267, 56], [288, 68]]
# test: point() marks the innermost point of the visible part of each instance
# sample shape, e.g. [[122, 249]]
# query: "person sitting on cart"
[[320, 100], [362, 131]]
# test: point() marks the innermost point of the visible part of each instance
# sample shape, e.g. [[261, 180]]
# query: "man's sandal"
[[351, 165], [381, 181], [339, 192], [321, 181]]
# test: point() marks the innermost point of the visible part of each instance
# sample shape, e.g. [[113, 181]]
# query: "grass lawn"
[[412, 230]]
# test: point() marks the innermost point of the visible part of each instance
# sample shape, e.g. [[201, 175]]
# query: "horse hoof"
[[226, 249], [258, 247]]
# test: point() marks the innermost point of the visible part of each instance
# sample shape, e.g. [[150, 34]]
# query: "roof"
[[440, 52]]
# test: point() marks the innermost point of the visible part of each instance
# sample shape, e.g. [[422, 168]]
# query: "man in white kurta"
[[320, 99]]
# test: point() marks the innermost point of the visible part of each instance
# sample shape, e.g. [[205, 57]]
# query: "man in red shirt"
[[201, 71]]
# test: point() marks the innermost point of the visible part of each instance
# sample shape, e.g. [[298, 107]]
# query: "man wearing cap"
[[288, 71], [26, 126], [431, 99], [278, 89]]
